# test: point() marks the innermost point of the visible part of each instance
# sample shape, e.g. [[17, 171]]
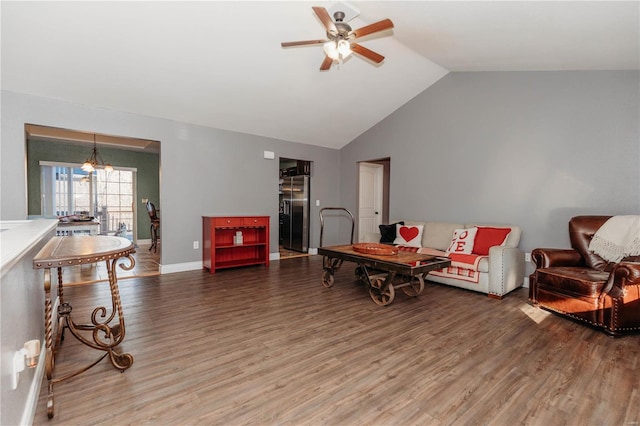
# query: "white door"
[[369, 198]]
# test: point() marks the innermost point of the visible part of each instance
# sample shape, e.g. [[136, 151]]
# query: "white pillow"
[[462, 241], [409, 235]]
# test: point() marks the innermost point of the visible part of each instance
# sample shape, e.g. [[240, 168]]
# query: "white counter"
[[21, 312], [17, 237]]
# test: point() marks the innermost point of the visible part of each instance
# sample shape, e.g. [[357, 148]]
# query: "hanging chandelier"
[[92, 162]]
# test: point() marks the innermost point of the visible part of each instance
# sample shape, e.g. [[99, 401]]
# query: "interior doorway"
[[115, 199], [294, 207], [373, 195], [58, 186]]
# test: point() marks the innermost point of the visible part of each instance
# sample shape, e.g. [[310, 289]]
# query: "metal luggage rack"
[[353, 221]]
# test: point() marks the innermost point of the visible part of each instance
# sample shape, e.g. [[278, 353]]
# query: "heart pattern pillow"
[[409, 235]]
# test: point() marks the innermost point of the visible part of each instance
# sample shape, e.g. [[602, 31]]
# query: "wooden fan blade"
[[301, 43], [326, 20], [367, 53], [385, 24], [326, 64]]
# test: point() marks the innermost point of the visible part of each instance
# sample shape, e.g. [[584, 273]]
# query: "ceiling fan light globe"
[[331, 49], [344, 48]]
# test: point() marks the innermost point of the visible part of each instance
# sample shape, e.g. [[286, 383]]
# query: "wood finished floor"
[[272, 346]]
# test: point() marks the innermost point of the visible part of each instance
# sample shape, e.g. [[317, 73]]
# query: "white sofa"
[[497, 274]]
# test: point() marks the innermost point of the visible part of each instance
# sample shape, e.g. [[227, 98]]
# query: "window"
[[115, 195]]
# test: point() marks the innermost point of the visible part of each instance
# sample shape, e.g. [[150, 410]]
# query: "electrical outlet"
[[18, 367], [527, 257], [196, 245]]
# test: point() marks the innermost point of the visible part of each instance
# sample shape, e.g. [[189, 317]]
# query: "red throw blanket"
[[463, 267]]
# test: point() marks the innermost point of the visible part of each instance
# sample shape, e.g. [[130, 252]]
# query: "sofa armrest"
[[550, 257], [506, 269]]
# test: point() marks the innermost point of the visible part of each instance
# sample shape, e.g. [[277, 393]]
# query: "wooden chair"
[[155, 225]]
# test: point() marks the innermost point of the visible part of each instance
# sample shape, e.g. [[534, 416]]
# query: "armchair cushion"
[[574, 281]]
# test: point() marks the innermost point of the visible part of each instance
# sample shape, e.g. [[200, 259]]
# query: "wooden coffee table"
[[382, 274]]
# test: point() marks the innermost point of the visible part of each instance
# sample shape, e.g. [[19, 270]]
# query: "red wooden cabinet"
[[221, 250]]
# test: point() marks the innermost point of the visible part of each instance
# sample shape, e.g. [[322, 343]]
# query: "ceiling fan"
[[339, 43]]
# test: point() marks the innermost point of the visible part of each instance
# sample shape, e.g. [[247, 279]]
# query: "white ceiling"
[[220, 64]]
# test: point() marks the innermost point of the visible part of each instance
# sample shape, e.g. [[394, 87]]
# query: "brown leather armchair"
[[581, 285]]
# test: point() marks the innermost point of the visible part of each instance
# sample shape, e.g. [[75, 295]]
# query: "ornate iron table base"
[[107, 328]]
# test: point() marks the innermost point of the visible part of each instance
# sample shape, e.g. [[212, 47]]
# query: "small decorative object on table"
[[237, 239], [376, 248]]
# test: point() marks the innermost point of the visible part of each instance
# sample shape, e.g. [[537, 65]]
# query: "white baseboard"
[[526, 282], [276, 256], [140, 241], [180, 267], [31, 404], [194, 266]]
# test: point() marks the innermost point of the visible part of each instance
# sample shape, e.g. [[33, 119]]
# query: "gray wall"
[[530, 148], [526, 148], [146, 164], [204, 171]]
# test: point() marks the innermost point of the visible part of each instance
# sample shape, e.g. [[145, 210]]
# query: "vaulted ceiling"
[[220, 64]]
